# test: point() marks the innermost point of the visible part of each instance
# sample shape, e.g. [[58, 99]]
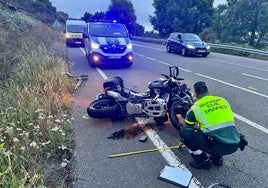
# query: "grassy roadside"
[[35, 98]]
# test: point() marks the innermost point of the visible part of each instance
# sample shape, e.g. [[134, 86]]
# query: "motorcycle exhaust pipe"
[[116, 95]]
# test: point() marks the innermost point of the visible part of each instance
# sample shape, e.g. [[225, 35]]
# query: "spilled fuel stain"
[[132, 131]]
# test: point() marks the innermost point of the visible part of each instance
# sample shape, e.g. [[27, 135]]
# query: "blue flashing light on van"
[[108, 43]]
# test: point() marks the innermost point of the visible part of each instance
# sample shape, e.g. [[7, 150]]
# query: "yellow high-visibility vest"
[[213, 112]]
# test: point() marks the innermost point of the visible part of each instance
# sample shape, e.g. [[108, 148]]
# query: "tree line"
[[243, 22], [39, 9], [239, 21]]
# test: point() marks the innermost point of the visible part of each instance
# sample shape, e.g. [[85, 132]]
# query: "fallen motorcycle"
[[166, 97]]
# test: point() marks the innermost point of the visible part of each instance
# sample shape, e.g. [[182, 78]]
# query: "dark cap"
[[199, 84]]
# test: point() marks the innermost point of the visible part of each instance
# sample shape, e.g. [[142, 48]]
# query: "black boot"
[[201, 161], [218, 161]]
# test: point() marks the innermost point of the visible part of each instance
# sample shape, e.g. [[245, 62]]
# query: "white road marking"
[[168, 154], [148, 47], [150, 58], [82, 49], [211, 59], [250, 67], [103, 75], [162, 62], [235, 86], [186, 70], [139, 54], [241, 118], [252, 76], [251, 123]]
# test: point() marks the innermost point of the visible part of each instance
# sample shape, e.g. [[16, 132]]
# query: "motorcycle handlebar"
[[167, 77]]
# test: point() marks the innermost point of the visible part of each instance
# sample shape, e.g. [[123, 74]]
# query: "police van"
[[108, 43], [74, 32]]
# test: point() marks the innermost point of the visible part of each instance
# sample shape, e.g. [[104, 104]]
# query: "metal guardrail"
[[227, 47], [248, 50]]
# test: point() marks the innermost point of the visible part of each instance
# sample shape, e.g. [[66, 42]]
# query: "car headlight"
[[95, 46], [208, 47], [129, 46], [190, 46]]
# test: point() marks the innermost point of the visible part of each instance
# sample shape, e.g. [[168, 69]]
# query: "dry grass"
[[35, 96]]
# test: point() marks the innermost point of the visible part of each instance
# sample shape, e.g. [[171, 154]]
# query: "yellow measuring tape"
[[142, 151]]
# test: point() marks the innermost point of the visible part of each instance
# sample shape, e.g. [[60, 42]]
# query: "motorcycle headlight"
[[95, 46], [190, 46]]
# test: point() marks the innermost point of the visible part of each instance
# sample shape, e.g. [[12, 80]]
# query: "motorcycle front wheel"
[[174, 111], [103, 108]]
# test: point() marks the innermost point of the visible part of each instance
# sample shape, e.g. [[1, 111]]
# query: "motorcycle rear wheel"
[[174, 111], [103, 108]]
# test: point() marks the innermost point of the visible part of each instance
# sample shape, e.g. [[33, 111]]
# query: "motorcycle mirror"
[[164, 75], [174, 71]]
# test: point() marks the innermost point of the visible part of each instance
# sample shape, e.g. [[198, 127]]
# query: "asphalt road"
[[242, 81]]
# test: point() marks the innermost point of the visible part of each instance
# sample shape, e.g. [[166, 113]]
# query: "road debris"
[[176, 176], [128, 132], [80, 79], [118, 134], [132, 131], [143, 138]]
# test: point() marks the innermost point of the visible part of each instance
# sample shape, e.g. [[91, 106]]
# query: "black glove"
[[243, 142]]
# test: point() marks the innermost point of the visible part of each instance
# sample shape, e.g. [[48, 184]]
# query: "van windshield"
[[76, 28], [108, 30]]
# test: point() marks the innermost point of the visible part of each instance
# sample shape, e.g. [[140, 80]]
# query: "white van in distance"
[[74, 32]]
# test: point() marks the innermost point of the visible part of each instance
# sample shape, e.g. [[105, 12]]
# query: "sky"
[[77, 8]]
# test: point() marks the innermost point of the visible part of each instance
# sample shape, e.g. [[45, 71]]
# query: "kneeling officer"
[[210, 129]]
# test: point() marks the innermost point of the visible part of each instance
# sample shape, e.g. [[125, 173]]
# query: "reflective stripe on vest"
[[213, 113]]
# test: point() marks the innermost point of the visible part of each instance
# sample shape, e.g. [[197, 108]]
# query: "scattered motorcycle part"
[[143, 138]]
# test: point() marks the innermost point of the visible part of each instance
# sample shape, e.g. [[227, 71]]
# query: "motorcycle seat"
[[136, 94]]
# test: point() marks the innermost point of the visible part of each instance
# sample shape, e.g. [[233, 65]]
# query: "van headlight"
[[95, 46], [129, 46], [68, 36]]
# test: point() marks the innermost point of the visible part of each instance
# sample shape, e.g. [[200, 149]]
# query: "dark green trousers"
[[195, 140]]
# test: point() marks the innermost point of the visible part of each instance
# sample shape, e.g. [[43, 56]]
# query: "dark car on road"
[[187, 44]]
